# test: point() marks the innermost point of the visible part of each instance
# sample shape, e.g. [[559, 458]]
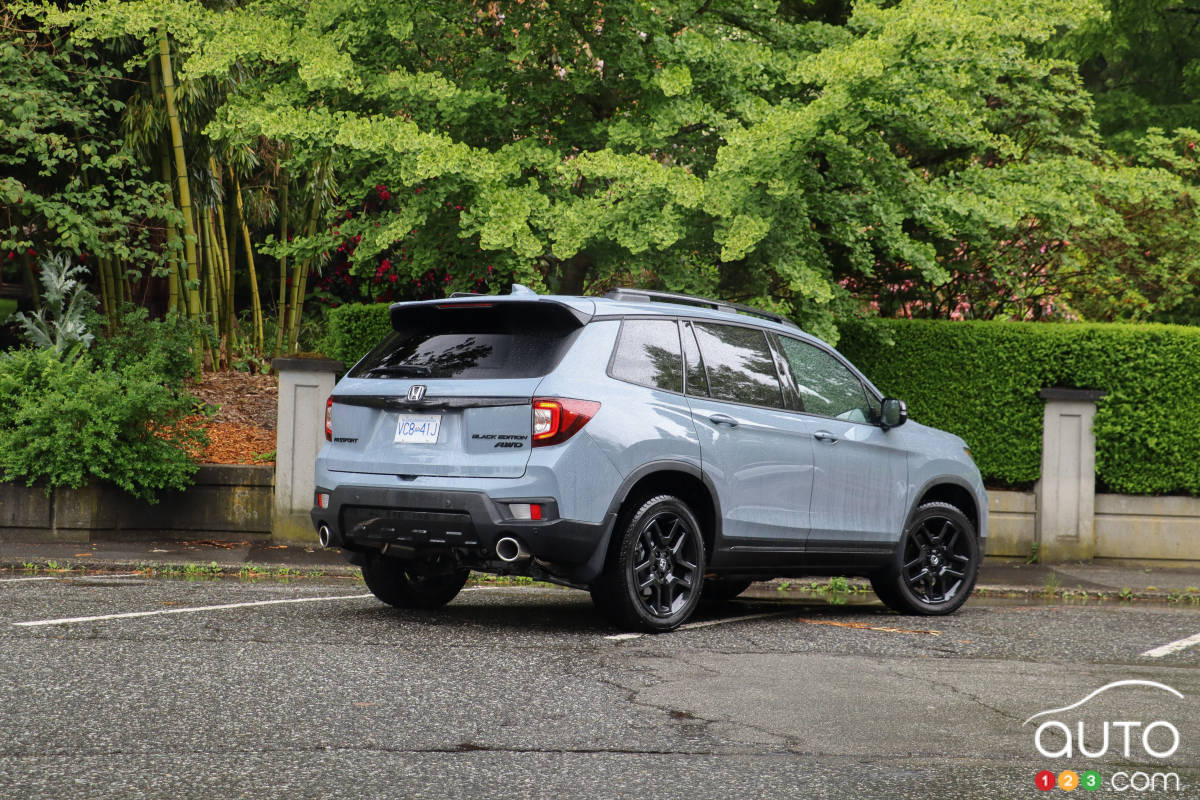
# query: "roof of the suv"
[[621, 302]]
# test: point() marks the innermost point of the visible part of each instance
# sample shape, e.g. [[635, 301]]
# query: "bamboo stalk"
[[226, 260], [300, 276], [173, 296], [185, 193], [104, 278], [212, 270], [283, 273], [255, 300]]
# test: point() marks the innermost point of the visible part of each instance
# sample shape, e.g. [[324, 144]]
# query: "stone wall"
[[226, 502]]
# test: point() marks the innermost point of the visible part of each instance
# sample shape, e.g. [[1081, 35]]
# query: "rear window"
[[739, 364], [505, 340], [648, 354]]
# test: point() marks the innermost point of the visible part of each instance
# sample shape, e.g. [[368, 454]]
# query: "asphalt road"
[[524, 692]]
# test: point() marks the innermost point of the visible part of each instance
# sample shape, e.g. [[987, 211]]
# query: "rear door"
[[757, 453], [449, 392]]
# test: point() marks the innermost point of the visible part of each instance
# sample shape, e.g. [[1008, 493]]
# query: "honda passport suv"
[[650, 448]]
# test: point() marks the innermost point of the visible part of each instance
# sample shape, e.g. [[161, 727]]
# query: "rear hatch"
[[449, 392]]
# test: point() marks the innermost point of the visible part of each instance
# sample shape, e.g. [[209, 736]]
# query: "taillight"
[[329, 419], [556, 419]]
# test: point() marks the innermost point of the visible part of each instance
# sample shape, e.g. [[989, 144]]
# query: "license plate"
[[418, 428]]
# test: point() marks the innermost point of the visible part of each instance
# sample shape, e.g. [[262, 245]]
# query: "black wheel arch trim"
[[941, 480], [669, 465]]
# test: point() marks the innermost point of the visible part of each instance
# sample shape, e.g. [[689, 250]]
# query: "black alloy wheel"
[[654, 579], [935, 564]]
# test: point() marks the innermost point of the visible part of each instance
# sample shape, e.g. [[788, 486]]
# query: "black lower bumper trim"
[[468, 523]]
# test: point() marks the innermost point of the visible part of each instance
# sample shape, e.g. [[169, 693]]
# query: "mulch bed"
[[242, 431]]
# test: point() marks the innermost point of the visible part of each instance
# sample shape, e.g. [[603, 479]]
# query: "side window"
[[648, 354], [697, 381], [739, 365], [826, 386]]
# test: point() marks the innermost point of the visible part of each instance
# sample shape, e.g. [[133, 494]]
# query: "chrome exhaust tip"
[[509, 550], [324, 536]]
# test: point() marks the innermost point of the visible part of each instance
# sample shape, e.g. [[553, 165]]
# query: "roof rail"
[[650, 296]]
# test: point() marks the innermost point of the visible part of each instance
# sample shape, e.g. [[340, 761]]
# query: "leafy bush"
[[354, 329], [163, 346], [981, 380], [62, 423]]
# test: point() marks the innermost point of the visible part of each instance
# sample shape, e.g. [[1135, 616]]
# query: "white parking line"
[[189, 610], [1173, 647], [620, 637], [18, 580]]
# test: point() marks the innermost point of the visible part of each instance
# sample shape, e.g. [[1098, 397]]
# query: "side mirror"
[[894, 413]]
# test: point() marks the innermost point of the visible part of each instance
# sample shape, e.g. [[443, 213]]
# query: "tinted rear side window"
[[507, 340], [648, 354], [739, 364]]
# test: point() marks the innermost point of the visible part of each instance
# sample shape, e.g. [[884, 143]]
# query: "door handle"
[[825, 436], [723, 419]]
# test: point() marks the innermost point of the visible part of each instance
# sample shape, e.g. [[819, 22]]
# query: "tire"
[[718, 591], [935, 565], [404, 584], [655, 574]]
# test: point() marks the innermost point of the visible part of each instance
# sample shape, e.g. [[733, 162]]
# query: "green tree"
[[67, 180], [932, 155]]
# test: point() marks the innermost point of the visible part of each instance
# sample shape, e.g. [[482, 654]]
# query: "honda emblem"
[[416, 392]]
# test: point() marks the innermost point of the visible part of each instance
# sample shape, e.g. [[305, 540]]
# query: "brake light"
[[556, 419], [329, 419]]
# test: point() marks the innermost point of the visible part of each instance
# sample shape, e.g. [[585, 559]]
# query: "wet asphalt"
[[525, 692]]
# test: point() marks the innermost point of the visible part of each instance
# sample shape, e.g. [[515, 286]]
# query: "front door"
[[860, 479]]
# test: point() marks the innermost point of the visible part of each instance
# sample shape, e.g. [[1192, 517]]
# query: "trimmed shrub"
[[63, 423], [354, 329], [980, 380]]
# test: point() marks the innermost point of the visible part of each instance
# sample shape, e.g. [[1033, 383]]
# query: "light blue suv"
[[653, 449]]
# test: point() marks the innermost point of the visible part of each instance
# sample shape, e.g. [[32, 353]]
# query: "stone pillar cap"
[[297, 364], [1077, 395]]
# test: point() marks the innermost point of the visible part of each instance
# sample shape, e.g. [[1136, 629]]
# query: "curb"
[[218, 568]]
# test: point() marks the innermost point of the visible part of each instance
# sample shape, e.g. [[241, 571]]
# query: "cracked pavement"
[[517, 692]]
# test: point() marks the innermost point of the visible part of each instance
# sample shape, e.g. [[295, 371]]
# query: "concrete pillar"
[[304, 386], [1067, 491]]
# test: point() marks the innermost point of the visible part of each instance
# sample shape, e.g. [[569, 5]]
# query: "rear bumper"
[[467, 524]]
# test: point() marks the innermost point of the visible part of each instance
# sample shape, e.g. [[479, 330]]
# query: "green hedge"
[[354, 329], [981, 380]]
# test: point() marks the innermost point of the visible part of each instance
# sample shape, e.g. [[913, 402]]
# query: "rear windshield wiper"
[[404, 370]]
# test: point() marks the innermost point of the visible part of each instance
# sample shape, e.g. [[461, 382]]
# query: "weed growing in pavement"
[[1034, 553], [1052, 585], [29, 566], [315, 573], [783, 586], [209, 570], [1125, 594]]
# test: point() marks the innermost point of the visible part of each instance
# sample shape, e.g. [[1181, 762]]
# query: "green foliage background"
[[806, 157], [980, 380]]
